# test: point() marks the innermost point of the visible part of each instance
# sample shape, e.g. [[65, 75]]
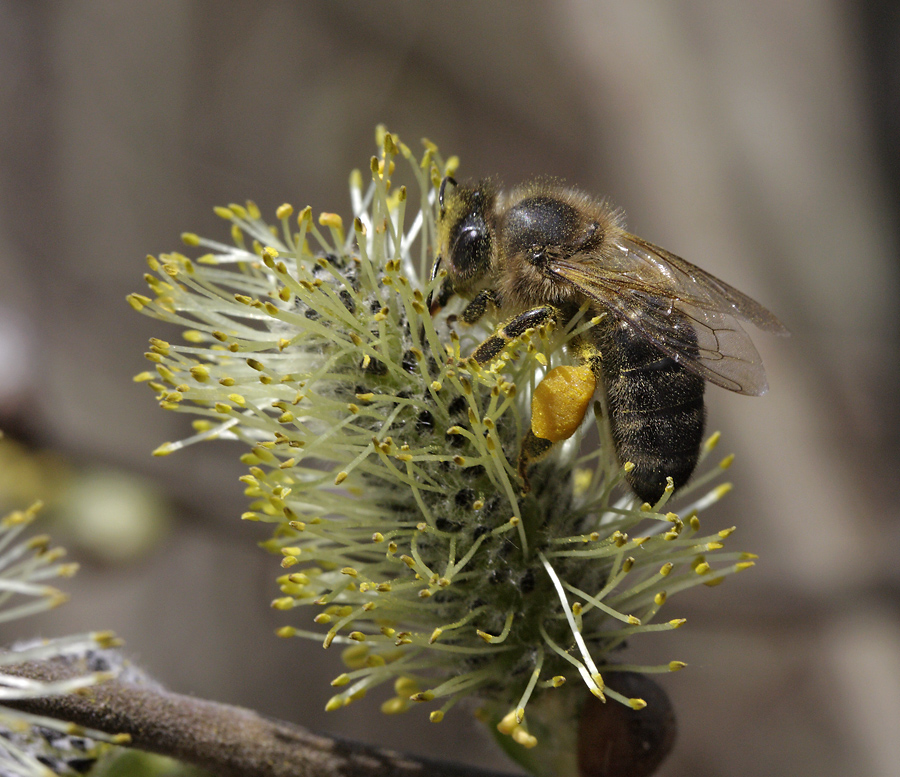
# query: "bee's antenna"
[[447, 179], [432, 306]]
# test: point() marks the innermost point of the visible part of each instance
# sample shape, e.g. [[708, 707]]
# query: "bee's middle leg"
[[532, 448], [515, 327]]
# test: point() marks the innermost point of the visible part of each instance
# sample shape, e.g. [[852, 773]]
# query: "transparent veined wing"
[[687, 313]]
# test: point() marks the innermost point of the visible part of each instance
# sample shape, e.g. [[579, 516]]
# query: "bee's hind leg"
[[558, 407], [531, 451]]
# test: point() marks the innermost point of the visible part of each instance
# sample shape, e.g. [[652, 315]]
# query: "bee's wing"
[[689, 282], [643, 284]]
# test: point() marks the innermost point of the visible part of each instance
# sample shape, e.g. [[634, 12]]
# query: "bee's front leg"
[[475, 310]]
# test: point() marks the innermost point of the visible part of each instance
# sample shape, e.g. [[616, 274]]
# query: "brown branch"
[[228, 741]]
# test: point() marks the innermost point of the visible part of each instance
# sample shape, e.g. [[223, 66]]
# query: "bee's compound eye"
[[470, 251]]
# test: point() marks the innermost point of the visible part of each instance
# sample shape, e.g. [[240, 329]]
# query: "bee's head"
[[465, 233]]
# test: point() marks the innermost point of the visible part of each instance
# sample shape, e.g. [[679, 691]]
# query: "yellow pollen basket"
[[560, 402]]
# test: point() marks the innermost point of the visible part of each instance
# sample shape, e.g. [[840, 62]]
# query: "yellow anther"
[[332, 220]]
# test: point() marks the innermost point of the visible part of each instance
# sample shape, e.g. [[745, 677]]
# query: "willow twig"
[[228, 741]]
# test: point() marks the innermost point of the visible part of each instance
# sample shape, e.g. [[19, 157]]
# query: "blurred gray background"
[[759, 140]]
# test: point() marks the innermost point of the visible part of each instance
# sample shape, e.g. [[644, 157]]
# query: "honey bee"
[[540, 252]]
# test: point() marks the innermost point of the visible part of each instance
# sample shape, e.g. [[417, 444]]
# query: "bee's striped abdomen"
[[656, 409]]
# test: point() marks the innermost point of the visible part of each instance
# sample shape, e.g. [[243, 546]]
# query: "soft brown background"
[[756, 139]]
